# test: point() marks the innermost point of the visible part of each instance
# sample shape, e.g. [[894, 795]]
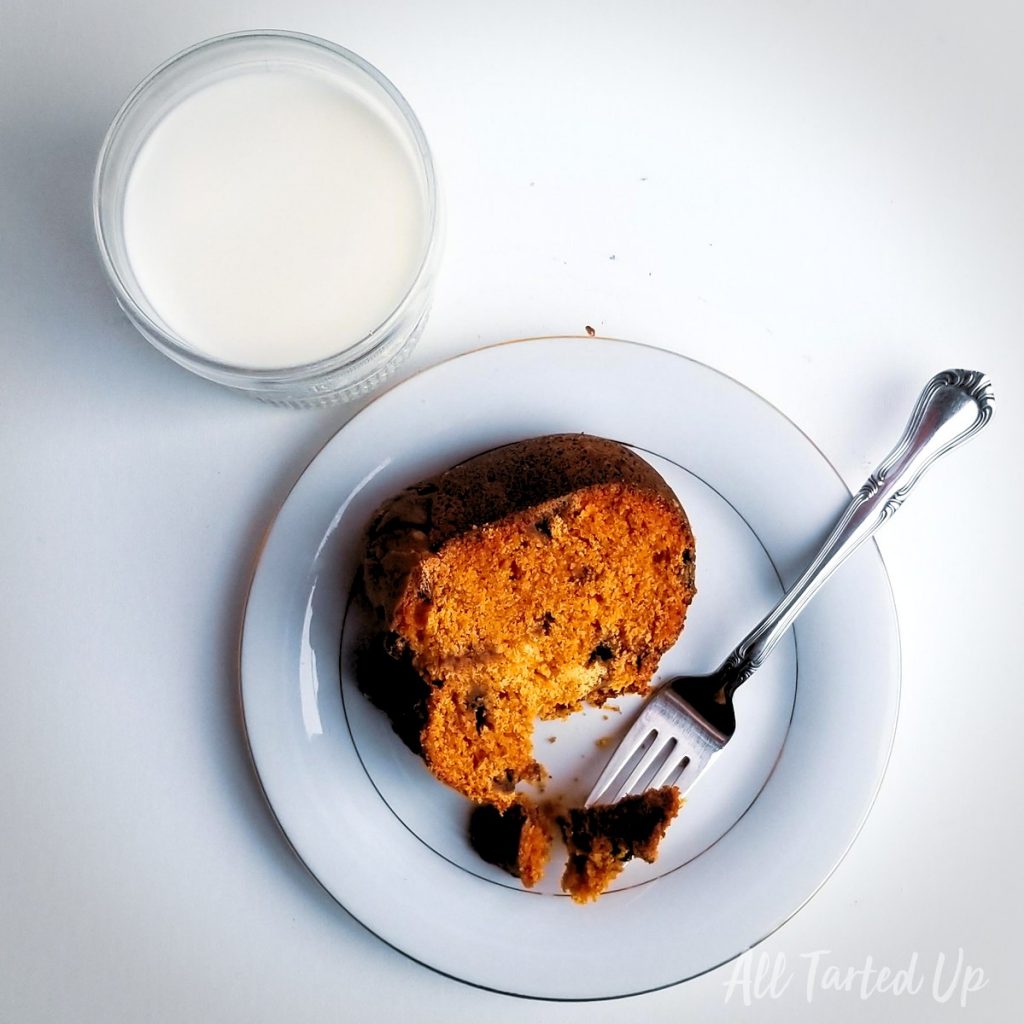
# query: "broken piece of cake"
[[517, 840], [522, 583], [600, 840]]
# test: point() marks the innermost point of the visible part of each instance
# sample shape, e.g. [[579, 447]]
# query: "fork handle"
[[953, 407]]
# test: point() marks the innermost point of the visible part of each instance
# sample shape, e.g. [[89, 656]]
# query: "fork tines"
[[668, 743]]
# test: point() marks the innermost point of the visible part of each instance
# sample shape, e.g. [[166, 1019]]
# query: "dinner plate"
[[757, 836]]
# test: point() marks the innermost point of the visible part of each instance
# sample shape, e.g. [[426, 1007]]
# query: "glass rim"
[[354, 355]]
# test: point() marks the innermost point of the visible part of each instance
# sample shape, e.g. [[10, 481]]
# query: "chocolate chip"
[[642, 655], [687, 556], [602, 652], [479, 708], [622, 853]]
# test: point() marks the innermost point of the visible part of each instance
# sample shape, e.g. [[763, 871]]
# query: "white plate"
[[759, 834]]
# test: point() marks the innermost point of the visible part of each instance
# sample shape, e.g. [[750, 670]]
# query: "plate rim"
[[256, 560]]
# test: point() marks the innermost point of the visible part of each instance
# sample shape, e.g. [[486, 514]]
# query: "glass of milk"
[[267, 214]]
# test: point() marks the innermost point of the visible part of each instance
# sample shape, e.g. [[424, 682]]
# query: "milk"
[[275, 217]]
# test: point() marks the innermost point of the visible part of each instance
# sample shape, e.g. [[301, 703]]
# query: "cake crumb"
[[590, 330], [604, 741], [551, 739]]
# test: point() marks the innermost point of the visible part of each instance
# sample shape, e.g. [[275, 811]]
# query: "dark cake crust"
[[523, 475], [517, 840]]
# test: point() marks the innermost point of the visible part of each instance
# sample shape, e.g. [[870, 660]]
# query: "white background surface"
[[821, 199]]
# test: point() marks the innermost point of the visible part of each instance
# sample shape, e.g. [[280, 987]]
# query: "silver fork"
[[682, 727]]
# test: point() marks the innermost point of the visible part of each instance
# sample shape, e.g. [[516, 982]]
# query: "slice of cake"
[[602, 839], [522, 583]]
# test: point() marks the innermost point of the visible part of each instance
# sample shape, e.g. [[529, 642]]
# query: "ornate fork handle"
[[953, 407]]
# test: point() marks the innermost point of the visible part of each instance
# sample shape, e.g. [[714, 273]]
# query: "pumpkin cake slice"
[[522, 583]]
